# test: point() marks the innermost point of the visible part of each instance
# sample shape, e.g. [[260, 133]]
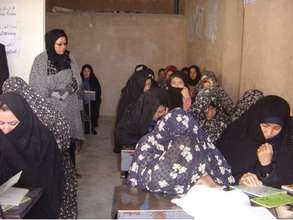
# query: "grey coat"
[[45, 84]]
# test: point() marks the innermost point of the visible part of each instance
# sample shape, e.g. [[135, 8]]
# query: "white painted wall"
[[30, 35]]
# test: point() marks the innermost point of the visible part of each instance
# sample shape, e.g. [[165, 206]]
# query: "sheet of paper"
[[13, 196], [9, 183]]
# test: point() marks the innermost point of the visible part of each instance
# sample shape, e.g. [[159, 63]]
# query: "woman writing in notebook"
[[256, 144]]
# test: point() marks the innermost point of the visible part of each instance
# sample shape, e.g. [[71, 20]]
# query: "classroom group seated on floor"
[[183, 128]]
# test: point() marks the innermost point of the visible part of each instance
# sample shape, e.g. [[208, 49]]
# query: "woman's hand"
[[207, 181], [249, 179], [185, 92], [265, 154]]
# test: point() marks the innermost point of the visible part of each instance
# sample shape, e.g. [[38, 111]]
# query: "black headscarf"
[[193, 82], [32, 148], [133, 89], [175, 98], [242, 138], [134, 123], [59, 61]]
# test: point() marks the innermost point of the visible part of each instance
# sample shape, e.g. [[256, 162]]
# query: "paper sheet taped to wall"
[[8, 26]]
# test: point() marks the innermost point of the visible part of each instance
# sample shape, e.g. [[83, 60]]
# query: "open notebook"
[[10, 195]]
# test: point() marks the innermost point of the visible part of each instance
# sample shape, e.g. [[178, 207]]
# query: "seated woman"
[[142, 117], [27, 145], [59, 126], [193, 79], [91, 83], [209, 80], [167, 73], [175, 156], [255, 144], [248, 98], [207, 110], [139, 82], [178, 80]]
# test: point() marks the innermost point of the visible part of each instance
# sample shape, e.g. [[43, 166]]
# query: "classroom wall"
[[115, 43], [140, 6], [214, 36], [247, 43], [268, 49], [29, 35]]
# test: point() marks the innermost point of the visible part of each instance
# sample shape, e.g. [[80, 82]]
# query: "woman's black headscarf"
[[193, 82], [134, 123], [59, 61], [133, 89], [94, 82], [32, 148], [240, 141]]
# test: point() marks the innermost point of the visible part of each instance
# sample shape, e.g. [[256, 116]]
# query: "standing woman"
[[55, 76], [90, 82]]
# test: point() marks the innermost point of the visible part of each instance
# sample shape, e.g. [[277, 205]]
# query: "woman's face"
[[8, 121], [86, 73], [162, 74], [161, 110], [60, 45], [177, 82], [211, 112], [147, 85], [192, 74], [270, 130]]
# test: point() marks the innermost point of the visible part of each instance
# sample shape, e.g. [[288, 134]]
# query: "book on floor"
[[273, 201], [259, 191], [12, 195]]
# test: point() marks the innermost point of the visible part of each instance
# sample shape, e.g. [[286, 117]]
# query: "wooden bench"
[[132, 203]]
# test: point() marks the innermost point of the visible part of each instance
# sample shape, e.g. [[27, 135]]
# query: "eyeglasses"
[[9, 123]]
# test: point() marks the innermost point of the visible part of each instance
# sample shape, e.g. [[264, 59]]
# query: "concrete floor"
[[99, 168]]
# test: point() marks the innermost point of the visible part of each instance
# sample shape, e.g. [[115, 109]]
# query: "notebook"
[[273, 201], [259, 191], [12, 195]]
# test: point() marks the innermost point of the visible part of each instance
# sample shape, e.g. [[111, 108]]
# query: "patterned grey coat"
[[45, 84]]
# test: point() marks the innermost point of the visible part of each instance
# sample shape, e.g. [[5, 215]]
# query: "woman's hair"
[[161, 69], [3, 107], [87, 66], [178, 74]]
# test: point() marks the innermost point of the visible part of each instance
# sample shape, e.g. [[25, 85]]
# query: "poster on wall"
[[8, 26]]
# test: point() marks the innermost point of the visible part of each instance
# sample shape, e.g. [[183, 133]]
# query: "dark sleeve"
[[263, 172], [4, 73], [239, 156]]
